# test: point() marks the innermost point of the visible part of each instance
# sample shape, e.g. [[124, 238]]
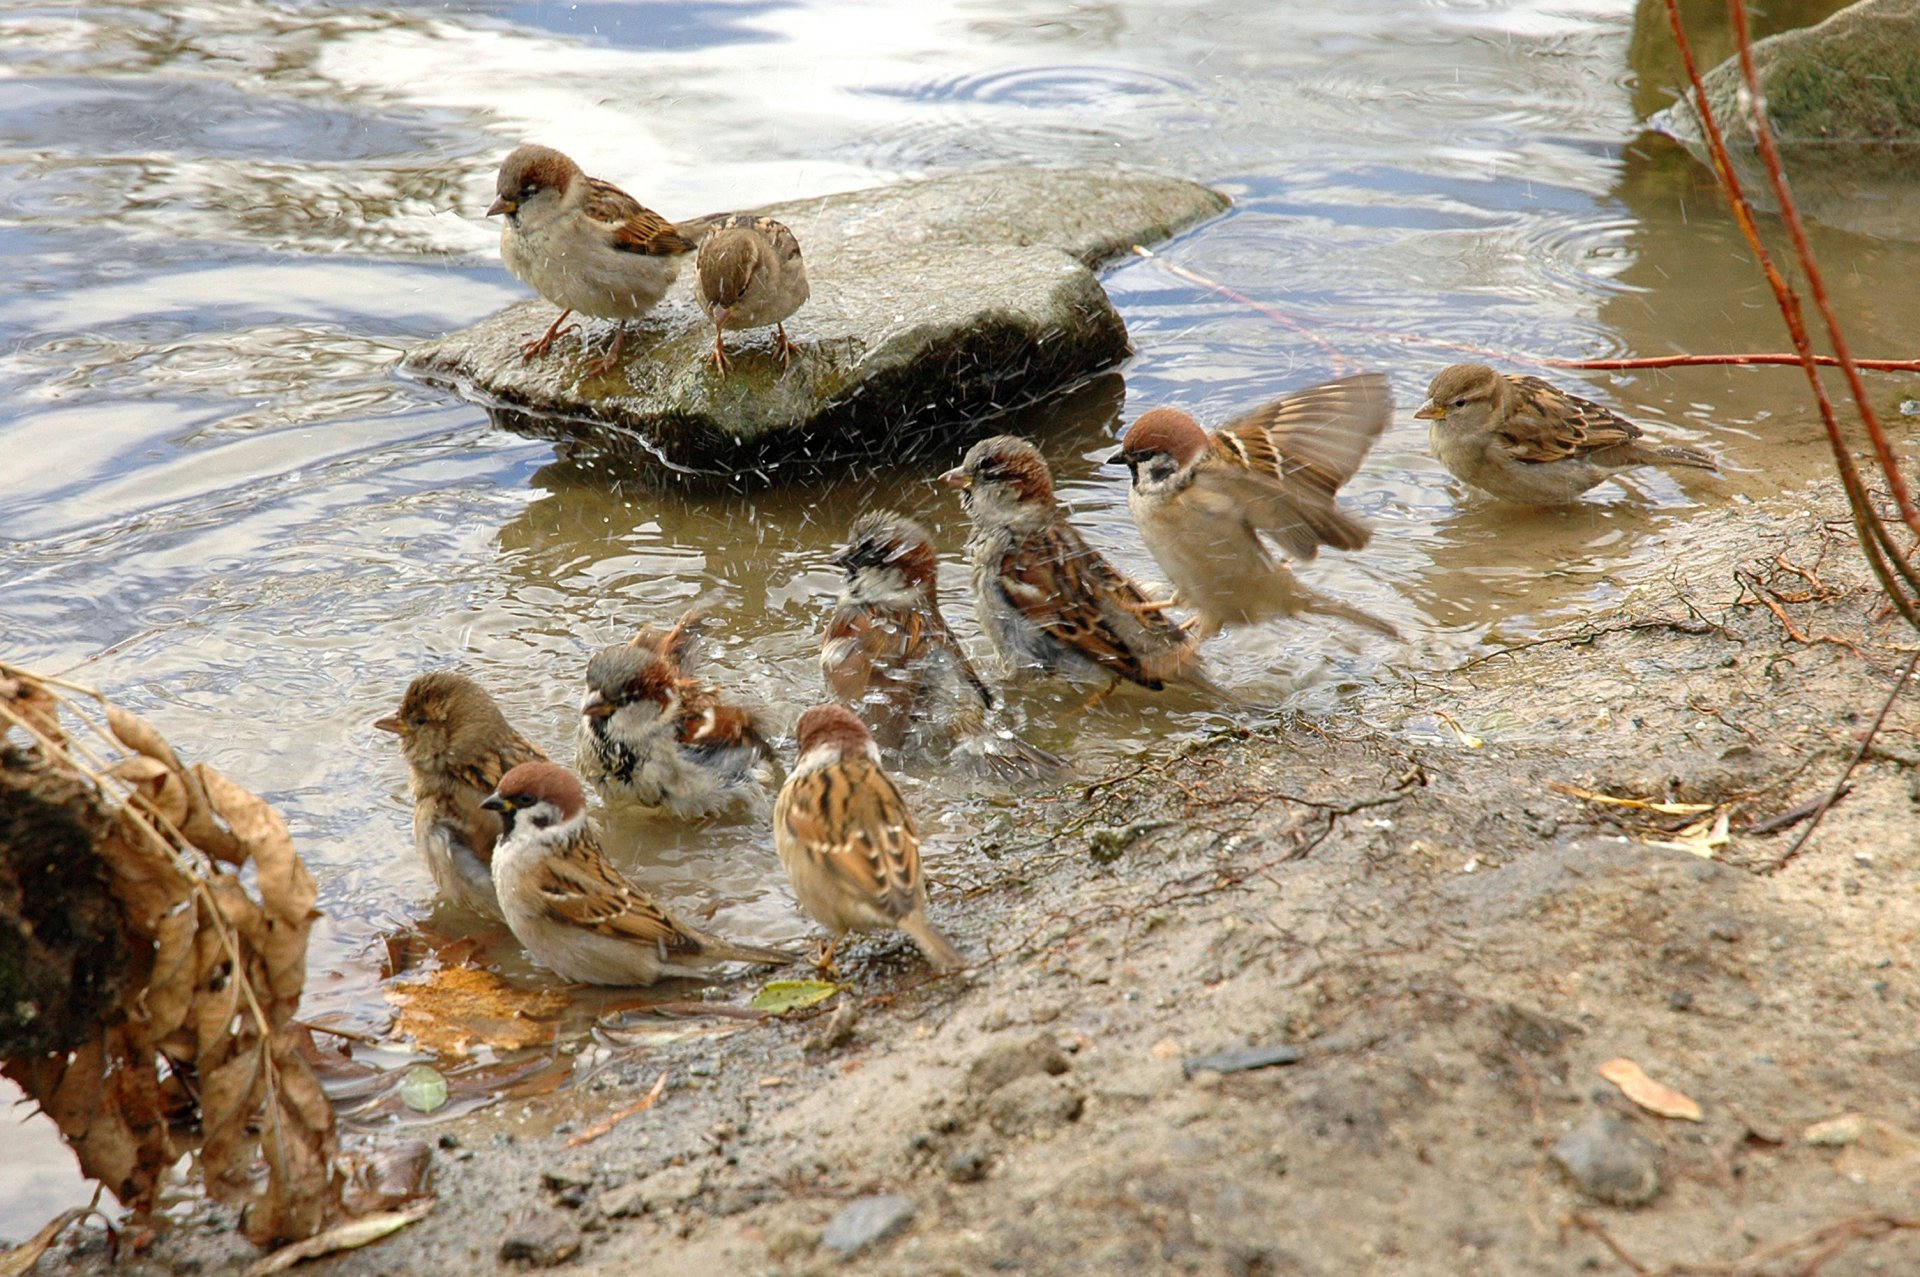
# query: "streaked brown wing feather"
[[592, 895], [1548, 424], [631, 225], [1315, 437], [1070, 591], [877, 853]]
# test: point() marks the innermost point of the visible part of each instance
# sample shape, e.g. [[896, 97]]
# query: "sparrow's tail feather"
[[1008, 757], [728, 951], [1326, 605], [939, 950]]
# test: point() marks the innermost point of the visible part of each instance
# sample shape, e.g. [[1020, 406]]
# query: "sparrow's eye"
[[529, 190], [1461, 402], [416, 720]]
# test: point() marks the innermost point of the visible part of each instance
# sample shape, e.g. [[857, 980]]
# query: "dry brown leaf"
[[1701, 838], [29, 698], [19, 1261], [449, 1011], [140, 736], [347, 1236], [1647, 1093]]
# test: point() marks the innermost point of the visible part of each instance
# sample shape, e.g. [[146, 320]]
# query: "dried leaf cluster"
[[198, 1050]]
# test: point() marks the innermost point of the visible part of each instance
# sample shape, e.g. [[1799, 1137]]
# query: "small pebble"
[[968, 1166], [867, 1220], [1610, 1161]]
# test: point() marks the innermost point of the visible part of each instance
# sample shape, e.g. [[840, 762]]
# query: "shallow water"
[[224, 220]]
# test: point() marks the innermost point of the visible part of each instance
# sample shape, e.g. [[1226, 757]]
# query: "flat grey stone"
[[1609, 1161], [540, 1239], [867, 1220], [933, 304]]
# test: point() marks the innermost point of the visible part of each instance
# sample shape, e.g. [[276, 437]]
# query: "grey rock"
[[660, 1191], [1241, 1061], [1610, 1161], [1843, 99], [540, 1239], [1033, 1105], [1003, 1062], [933, 303], [867, 1220]]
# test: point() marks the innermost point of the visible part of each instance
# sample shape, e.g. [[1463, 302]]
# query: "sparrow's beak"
[[501, 204], [1121, 458], [1431, 411], [495, 802], [594, 705], [391, 723], [957, 478]]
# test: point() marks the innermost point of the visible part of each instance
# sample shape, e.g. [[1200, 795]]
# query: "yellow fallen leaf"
[[1467, 738], [449, 1011], [1665, 809], [1698, 839], [1647, 1093]]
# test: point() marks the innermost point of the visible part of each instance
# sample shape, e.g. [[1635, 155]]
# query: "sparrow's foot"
[[719, 353], [540, 345], [782, 345], [823, 960], [1100, 695], [605, 363]]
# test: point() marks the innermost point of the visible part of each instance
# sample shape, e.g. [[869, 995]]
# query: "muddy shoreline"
[[1452, 944]]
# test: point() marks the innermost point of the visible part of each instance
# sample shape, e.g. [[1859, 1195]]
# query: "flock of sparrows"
[[506, 832]]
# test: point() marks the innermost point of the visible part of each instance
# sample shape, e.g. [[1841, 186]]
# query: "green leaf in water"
[[423, 1089], [779, 996]]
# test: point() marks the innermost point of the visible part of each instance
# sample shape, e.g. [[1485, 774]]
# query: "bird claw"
[[605, 364]]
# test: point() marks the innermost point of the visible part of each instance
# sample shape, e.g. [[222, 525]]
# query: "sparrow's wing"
[[582, 889], [1548, 424], [468, 823], [1315, 437], [710, 725], [853, 825], [1283, 463], [631, 226], [1069, 590]]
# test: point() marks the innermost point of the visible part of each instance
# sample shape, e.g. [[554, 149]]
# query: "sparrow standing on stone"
[[458, 745], [1522, 440], [751, 275], [887, 652], [584, 244], [1050, 602], [1203, 500], [576, 914], [655, 738], [848, 841]]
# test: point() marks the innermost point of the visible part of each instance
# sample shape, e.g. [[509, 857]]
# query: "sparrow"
[[847, 840], [887, 652], [1202, 500], [584, 244], [655, 738], [458, 745], [576, 914], [1523, 440], [751, 275], [1050, 602]]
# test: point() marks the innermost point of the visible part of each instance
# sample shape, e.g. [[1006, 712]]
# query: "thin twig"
[[1840, 787], [600, 1128]]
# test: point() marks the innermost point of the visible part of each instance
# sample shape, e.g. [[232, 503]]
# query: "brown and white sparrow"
[[457, 745], [584, 244], [1523, 440], [657, 739], [576, 914], [1202, 501], [751, 275], [847, 840], [1050, 602], [887, 652]]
